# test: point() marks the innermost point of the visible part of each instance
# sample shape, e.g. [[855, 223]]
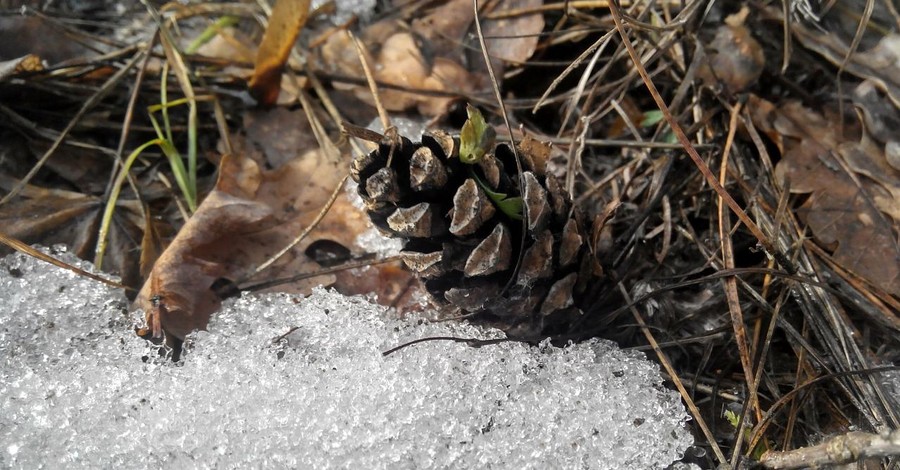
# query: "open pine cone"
[[463, 227]]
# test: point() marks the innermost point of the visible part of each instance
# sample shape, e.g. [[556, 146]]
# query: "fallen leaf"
[[27, 63], [857, 222], [881, 119], [38, 35], [512, 39], [287, 19], [249, 216], [51, 216], [880, 65], [294, 134], [735, 58]]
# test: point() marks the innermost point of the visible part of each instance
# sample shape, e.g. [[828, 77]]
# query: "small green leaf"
[[511, 206], [732, 418], [651, 118], [476, 137]]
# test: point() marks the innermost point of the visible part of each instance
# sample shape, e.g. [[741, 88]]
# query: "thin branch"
[[840, 450]]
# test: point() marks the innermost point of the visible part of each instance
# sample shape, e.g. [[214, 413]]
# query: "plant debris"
[[768, 287]]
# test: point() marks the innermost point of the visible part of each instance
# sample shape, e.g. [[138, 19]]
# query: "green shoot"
[[113, 197], [511, 206], [476, 137], [651, 118], [185, 177], [733, 420], [210, 32]]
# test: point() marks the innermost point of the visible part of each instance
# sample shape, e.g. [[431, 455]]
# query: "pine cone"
[[463, 223]]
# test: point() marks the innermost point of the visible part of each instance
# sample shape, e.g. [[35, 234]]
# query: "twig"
[[844, 449], [473, 342], [773, 410]]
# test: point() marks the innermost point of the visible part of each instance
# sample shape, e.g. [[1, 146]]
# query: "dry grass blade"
[[23, 248], [370, 79], [731, 290], [673, 374], [689, 148]]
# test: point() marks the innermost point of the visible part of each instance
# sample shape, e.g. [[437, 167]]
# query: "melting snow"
[[79, 389]]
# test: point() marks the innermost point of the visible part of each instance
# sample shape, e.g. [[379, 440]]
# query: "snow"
[[279, 381]]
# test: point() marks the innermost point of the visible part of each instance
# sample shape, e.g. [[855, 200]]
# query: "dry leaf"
[[858, 222], [735, 59], [38, 35], [881, 119], [881, 64], [48, 217], [285, 23], [281, 134], [248, 217], [424, 58], [27, 63], [513, 39]]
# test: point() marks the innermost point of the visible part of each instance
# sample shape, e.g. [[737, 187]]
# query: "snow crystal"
[[282, 382]]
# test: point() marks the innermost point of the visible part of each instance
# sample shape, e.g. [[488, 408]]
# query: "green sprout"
[[511, 206], [733, 420], [476, 137]]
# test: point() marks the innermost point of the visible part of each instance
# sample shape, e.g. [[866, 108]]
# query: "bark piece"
[[538, 260], [440, 140], [491, 169], [471, 299], [558, 198], [382, 186], [570, 244], [426, 265]]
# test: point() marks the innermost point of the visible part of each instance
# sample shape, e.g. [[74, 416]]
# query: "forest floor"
[[729, 171]]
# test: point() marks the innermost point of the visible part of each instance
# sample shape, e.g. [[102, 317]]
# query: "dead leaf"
[[881, 119], [38, 35], [294, 134], [27, 63], [735, 58], [858, 222], [287, 19], [48, 217], [513, 39], [880, 65], [400, 61]]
